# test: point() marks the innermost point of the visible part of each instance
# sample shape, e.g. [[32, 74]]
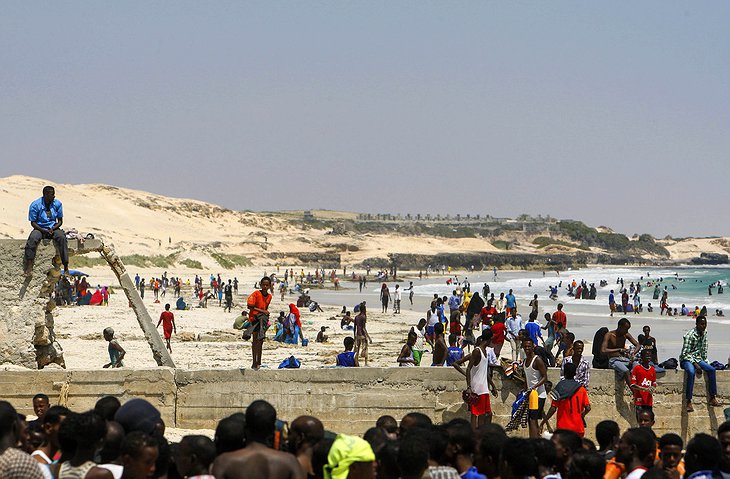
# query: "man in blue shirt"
[[511, 303], [46, 217], [533, 329], [454, 302], [612, 303]]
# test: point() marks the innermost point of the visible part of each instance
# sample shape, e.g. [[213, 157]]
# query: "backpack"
[[670, 363], [600, 360], [290, 363], [717, 365]]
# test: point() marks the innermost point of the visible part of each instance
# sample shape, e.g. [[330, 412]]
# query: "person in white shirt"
[[501, 303], [396, 299], [420, 346], [479, 378], [514, 325]]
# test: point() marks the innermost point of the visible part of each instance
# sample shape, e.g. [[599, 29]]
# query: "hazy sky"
[[614, 113]]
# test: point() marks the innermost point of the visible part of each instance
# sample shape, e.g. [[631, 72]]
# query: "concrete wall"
[[26, 321], [346, 400]]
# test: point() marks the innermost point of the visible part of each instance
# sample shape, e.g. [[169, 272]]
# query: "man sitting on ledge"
[[46, 217]]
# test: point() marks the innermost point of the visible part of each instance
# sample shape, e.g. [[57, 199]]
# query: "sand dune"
[[142, 223], [137, 222]]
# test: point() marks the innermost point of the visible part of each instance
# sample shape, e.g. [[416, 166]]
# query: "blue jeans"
[[710, 372]]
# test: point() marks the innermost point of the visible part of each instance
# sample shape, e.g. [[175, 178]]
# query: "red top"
[[257, 300], [167, 318], [560, 318], [645, 378], [488, 314], [570, 411], [498, 329], [454, 326]]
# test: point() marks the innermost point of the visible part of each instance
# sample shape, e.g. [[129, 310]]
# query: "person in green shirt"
[[693, 359]]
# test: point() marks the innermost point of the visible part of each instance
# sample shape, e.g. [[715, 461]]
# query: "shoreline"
[[205, 337]]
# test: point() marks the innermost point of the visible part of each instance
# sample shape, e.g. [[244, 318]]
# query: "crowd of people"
[[452, 341], [127, 441]]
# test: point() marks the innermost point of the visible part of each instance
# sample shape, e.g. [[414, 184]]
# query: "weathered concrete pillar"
[[159, 352], [26, 319]]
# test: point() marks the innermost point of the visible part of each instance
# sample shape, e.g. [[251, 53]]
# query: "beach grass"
[[191, 263], [159, 261], [501, 244], [543, 241], [230, 261], [83, 261]]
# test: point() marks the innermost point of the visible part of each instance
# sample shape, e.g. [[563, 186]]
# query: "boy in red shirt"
[[559, 318], [168, 325], [570, 400], [487, 315], [498, 331], [643, 382]]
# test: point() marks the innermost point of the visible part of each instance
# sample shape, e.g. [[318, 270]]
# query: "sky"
[[613, 113]]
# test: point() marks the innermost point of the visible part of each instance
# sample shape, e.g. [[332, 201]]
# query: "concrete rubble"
[[27, 327]]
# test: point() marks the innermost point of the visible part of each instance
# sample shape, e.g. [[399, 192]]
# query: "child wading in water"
[[116, 351]]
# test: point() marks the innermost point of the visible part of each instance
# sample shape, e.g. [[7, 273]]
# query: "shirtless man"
[[305, 432], [362, 337], [440, 349], [614, 346], [257, 459]]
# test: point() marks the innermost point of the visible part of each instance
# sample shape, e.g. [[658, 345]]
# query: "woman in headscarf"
[[475, 307], [83, 286], [293, 325]]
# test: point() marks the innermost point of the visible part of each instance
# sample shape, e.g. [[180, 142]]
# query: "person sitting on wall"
[[46, 217]]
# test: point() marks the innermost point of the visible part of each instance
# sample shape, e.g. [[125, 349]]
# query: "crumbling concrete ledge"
[[347, 400]]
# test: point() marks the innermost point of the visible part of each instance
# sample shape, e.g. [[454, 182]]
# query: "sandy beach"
[[188, 237], [205, 337]]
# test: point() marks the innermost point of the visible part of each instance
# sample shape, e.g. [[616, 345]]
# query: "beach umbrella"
[[75, 272]]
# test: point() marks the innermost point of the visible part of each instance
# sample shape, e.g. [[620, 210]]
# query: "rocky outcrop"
[[323, 260], [710, 258], [501, 260]]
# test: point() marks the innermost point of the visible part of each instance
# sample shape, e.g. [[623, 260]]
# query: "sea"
[[685, 285]]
